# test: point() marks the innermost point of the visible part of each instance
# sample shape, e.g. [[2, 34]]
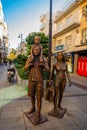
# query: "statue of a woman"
[[60, 68]]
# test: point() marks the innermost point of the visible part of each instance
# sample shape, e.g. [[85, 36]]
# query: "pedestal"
[[58, 113], [31, 117]]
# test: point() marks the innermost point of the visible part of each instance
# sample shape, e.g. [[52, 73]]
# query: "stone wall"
[[20, 81]]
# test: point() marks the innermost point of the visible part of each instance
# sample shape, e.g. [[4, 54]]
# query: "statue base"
[[31, 117], [58, 113]]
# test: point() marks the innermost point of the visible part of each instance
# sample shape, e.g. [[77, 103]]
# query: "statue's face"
[[60, 56], [37, 39], [36, 51]]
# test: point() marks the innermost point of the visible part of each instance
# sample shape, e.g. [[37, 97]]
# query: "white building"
[[3, 36]]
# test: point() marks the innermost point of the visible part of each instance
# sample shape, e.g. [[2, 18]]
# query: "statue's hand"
[[70, 84], [50, 82]]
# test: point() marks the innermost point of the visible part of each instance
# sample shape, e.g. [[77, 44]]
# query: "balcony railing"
[[42, 26], [42, 17], [68, 26]]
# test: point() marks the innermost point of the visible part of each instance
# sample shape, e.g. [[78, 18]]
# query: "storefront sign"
[[60, 47]]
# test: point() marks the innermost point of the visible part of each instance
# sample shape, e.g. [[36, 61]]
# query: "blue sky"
[[23, 16]]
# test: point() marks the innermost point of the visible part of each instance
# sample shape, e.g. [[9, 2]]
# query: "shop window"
[[69, 63]]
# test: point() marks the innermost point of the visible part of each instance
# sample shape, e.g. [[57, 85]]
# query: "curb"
[[79, 85]]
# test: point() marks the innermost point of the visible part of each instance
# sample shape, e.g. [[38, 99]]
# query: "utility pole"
[[50, 36]]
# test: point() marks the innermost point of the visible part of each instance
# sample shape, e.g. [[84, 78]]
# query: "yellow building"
[[81, 50], [69, 34]]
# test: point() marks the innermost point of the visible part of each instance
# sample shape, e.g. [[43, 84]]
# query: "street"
[[14, 102]]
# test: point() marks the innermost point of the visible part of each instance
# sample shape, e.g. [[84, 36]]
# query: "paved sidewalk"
[[14, 102], [79, 80]]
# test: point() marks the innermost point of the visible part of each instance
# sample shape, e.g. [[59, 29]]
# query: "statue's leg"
[[61, 91], [56, 91], [39, 94], [32, 86]]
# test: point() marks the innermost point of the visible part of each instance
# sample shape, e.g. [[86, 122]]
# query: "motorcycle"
[[10, 74]]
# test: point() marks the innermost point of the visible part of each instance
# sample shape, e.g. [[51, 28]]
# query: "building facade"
[[67, 34], [3, 37], [81, 50], [22, 49], [44, 19], [71, 36]]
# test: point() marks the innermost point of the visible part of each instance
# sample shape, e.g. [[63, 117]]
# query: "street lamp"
[[21, 37], [50, 36]]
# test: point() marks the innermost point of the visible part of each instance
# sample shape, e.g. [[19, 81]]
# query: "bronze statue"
[[36, 44], [35, 85], [59, 83]]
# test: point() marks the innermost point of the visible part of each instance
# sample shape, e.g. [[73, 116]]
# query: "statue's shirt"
[[36, 71]]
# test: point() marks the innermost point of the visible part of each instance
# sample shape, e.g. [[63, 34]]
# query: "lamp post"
[[50, 36], [21, 37]]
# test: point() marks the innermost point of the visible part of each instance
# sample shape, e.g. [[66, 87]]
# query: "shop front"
[[82, 66], [70, 61], [82, 63]]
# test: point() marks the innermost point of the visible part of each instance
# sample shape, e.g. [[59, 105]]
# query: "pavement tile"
[[83, 126], [78, 116], [1, 104], [12, 103], [12, 124], [65, 121], [70, 106], [11, 113], [68, 128], [26, 104]]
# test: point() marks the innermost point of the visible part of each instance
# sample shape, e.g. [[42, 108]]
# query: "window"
[[84, 11], [59, 26], [68, 41], [59, 42], [84, 36], [69, 20]]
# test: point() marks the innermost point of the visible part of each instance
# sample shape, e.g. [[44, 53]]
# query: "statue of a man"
[[35, 84]]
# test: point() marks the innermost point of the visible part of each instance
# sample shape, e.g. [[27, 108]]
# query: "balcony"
[[42, 17], [43, 26], [66, 27]]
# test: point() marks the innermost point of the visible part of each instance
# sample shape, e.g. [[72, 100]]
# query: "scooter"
[[10, 74]]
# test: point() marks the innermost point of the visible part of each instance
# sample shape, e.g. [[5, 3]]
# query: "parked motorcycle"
[[10, 74]]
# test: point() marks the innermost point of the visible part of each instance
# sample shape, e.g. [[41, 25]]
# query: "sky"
[[23, 16]]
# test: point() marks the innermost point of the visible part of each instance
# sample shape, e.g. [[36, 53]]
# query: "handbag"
[[49, 94]]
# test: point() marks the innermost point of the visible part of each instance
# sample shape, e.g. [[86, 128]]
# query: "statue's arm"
[[41, 51], [52, 72], [46, 64], [68, 76], [31, 50], [26, 67]]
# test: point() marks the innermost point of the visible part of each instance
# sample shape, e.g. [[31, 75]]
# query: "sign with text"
[[60, 47]]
